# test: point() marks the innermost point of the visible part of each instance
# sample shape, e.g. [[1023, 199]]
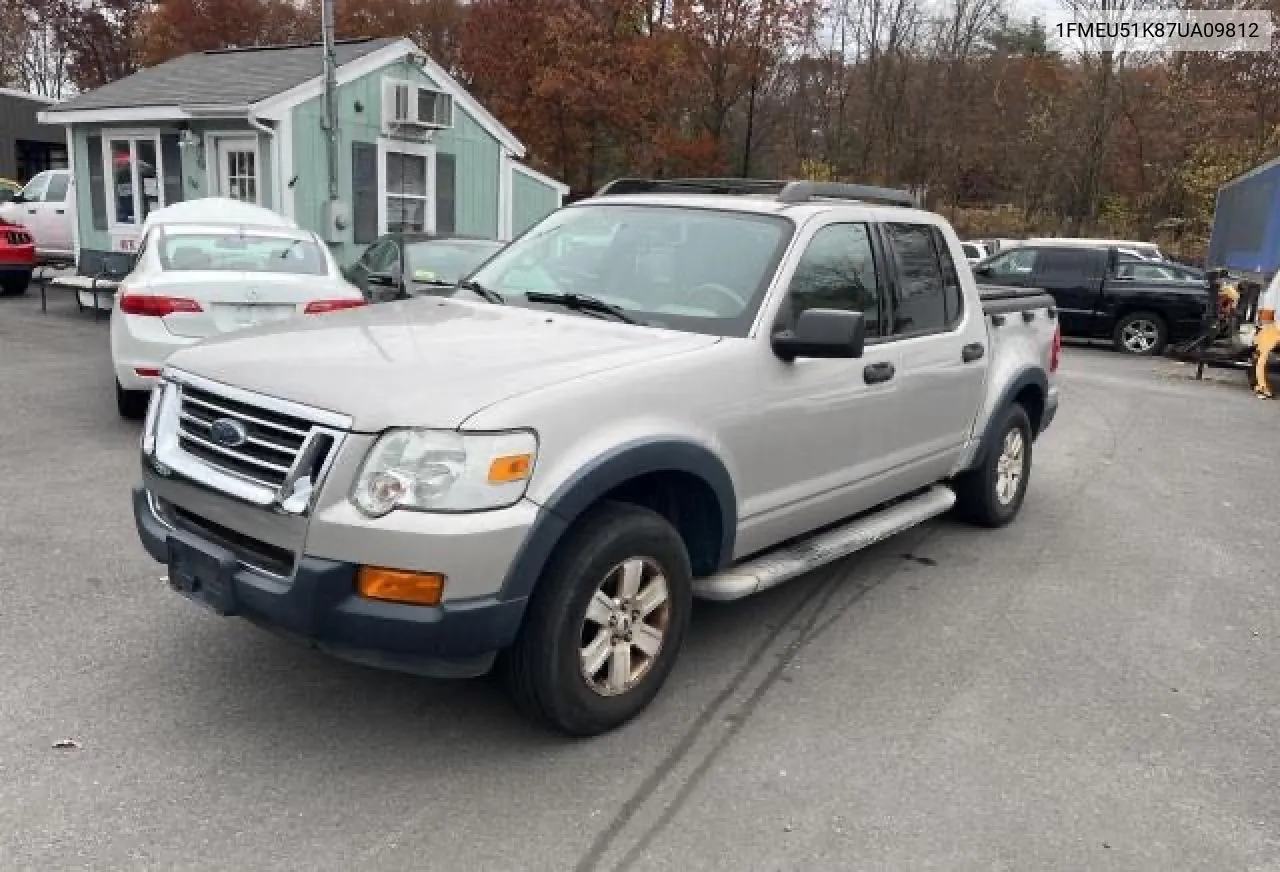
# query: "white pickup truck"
[[671, 389]]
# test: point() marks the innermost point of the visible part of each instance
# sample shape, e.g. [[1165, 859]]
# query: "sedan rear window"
[[241, 252]]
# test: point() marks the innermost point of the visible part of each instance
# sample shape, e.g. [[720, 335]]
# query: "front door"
[[237, 176], [820, 455]]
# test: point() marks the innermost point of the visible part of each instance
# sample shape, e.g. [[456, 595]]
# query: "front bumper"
[[318, 605]]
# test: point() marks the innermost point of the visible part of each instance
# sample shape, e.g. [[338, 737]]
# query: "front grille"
[[248, 550], [17, 237], [265, 458]]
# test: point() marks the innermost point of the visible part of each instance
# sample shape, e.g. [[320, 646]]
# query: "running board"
[[790, 561]]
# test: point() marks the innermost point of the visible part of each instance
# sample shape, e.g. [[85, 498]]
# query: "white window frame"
[[133, 137], [421, 149], [388, 103], [213, 166]]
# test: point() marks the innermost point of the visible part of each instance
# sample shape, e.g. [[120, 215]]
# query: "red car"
[[17, 258]]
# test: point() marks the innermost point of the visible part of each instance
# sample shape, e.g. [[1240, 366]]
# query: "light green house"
[[414, 150]]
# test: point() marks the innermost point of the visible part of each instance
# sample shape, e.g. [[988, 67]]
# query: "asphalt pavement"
[[1095, 687]]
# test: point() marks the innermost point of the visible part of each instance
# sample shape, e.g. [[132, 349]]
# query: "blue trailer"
[[1246, 224]]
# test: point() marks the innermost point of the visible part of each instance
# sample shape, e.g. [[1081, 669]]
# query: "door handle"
[[973, 351], [61, 211], [31, 211], [875, 373]]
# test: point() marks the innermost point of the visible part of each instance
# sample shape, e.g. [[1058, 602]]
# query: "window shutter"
[[171, 157], [446, 193], [364, 192], [97, 184]]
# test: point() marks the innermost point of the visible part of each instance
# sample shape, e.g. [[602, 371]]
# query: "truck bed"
[[1002, 300]]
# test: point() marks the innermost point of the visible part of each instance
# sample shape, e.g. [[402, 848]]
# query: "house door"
[[237, 176]]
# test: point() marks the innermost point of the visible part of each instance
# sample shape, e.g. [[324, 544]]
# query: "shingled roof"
[[225, 77]]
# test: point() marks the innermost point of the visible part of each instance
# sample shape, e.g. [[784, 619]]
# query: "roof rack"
[[796, 191]]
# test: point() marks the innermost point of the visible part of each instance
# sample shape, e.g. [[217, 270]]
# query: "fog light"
[[400, 586]]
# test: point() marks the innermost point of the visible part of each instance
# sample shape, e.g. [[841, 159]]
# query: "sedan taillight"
[[1056, 353], [156, 307], [315, 307]]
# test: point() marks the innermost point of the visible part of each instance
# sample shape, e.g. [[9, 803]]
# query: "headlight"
[[445, 471]]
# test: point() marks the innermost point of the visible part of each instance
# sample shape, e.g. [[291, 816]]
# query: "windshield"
[[241, 252], [699, 270], [446, 260]]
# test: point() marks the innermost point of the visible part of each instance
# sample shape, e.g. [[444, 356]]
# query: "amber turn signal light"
[[514, 467], [400, 586]]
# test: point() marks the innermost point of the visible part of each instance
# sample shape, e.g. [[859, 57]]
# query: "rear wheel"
[[606, 623], [132, 405], [991, 493], [1142, 333], [14, 284]]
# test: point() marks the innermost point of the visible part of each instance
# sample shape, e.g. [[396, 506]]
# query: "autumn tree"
[[176, 27]]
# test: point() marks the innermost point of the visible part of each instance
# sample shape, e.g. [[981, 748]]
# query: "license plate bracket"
[[203, 573]]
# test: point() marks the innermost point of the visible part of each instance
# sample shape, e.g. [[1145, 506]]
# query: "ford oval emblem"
[[228, 432]]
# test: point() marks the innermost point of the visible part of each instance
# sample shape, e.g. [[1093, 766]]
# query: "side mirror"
[[983, 270], [828, 333]]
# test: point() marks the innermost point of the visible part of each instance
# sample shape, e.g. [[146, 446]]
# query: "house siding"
[[531, 200], [197, 179], [476, 153]]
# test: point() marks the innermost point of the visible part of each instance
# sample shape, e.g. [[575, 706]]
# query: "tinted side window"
[[921, 298], [838, 271], [57, 190], [1069, 263]]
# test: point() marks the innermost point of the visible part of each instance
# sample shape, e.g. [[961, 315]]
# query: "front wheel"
[[14, 284], [606, 623], [132, 405], [1141, 333], [991, 493]]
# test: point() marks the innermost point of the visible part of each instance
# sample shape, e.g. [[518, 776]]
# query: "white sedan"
[[192, 281]]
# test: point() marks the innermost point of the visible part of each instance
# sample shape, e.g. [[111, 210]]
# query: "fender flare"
[[1022, 379], [586, 486]]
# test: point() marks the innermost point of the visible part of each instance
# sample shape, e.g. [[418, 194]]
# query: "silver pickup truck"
[[678, 389]]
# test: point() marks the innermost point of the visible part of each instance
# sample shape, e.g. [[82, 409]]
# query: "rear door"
[[941, 350], [1074, 278]]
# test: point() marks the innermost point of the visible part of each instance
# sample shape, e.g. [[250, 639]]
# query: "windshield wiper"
[[582, 304], [488, 295]]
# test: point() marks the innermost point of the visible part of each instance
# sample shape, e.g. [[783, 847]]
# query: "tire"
[[132, 405], [1144, 334], [14, 285], [545, 670], [983, 496]]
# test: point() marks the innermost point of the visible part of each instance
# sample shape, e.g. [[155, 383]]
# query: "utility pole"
[[330, 94]]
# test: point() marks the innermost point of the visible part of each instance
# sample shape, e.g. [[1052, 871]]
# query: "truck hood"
[[427, 362]]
